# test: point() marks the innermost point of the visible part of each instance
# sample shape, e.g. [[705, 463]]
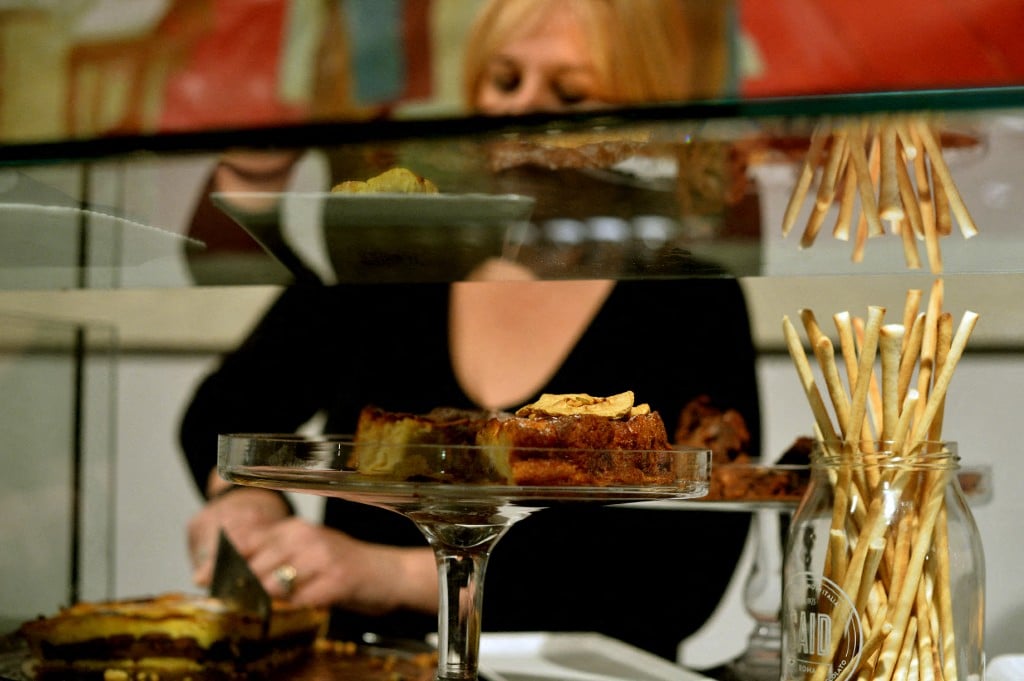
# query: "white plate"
[[367, 237], [425, 209], [1005, 668], [380, 209], [572, 657]]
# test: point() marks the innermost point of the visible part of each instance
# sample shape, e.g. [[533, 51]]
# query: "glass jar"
[[883, 576]]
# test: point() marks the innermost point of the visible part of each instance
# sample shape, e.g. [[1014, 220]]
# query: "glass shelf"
[[606, 189], [740, 110]]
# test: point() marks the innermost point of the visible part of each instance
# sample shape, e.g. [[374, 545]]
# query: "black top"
[[647, 577]]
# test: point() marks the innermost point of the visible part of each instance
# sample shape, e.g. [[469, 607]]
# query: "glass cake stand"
[[456, 496]]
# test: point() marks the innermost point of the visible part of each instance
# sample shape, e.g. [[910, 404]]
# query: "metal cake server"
[[234, 582]]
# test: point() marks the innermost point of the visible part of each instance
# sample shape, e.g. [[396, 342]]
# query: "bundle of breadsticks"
[[892, 166], [903, 603]]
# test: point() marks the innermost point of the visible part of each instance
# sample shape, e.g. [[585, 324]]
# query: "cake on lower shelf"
[[723, 430], [170, 637], [574, 439], [735, 474]]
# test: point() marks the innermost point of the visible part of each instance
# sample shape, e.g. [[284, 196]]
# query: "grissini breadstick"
[[860, 238], [926, 670], [909, 356], [910, 254], [874, 641], [928, 341], [922, 229], [847, 345], [890, 340], [922, 176], [908, 199], [847, 202], [835, 162], [890, 206], [825, 354], [874, 173], [944, 340], [900, 546], [811, 327], [899, 435], [943, 211], [814, 223], [871, 562], [941, 171], [796, 351], [943, 378], [874, 397], [835, 564], [819, 136], [911, 305], [944, 598], [866, 191], [906, 652], [909, 145]]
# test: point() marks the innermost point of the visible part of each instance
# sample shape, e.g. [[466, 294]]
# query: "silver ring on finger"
[[285, 576]]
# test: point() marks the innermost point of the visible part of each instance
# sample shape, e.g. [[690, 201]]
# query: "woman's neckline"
[[509, 334]]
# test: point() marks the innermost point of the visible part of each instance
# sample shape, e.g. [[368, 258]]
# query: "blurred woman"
[[495, 345], [536, 55]]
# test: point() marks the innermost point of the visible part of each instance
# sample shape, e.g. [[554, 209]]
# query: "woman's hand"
[[241, 509], [313, 565], [308, 563]]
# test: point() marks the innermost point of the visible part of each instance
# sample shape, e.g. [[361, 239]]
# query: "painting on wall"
[[91, 68]]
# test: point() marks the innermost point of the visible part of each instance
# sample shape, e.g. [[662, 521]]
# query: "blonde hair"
[[643, 50]]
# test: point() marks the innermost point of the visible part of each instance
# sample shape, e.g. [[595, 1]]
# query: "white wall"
[[155, 493], [155, 496]]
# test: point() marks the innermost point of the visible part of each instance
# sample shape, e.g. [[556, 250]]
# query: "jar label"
[[824, 638]]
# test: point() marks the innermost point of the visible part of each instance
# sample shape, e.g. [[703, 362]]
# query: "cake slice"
[[580, 440], [170, 637], [388, 443]]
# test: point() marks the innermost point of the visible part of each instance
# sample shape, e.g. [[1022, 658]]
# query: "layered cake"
[[171, 637], [573, 439]]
